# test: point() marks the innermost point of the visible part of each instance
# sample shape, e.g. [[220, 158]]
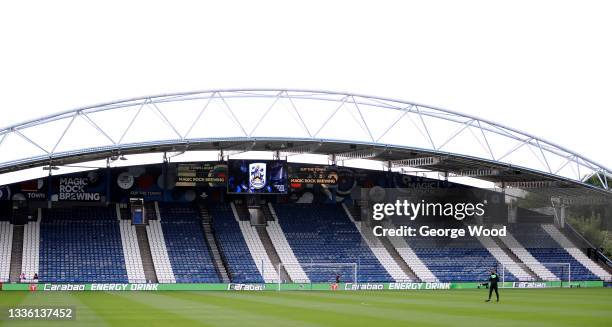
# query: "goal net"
[[308, 274], [537, 275]]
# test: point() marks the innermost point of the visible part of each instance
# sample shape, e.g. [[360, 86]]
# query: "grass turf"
[[542, 307]]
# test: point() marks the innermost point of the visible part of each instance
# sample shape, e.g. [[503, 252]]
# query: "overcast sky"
[[543, 67]]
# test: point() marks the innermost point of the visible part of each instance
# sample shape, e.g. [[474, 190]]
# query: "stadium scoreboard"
[[257, 176]]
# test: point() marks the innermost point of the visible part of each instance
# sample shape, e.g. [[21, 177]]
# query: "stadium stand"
[[16, 255], [291, 263], [257, 250], [81, 244], [466, 260], [92, 244], [500, 255], [321, 233], [209, 236], [407, 254], [87, 244], [189, 256], [547, 251], [241, 267], [131, 252], [562, 240], [159, 252], [6, 244], [526, 257], [379, 250], [31, 250]]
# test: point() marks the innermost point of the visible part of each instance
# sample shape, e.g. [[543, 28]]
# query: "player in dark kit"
[[493, 279]]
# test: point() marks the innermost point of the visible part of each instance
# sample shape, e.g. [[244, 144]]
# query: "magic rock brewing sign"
[[322, 175], [201, 174], [76, 189]]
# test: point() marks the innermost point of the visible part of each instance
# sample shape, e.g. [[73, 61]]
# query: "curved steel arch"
[[282, 114]]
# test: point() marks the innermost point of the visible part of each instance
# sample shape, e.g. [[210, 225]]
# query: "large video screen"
[[257, 176], [300, 175], [199, 174]]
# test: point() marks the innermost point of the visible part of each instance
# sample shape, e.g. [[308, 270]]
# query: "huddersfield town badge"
[[257, 175]]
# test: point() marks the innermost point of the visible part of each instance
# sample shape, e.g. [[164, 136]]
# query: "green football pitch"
[[542, 307]]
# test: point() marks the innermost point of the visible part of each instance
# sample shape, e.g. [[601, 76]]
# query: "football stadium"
[[268, 207]]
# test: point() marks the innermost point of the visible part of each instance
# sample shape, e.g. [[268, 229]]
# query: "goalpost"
[[525, 273], [319, 272]]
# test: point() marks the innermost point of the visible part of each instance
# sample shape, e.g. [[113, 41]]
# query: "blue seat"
[[81, 245], [189, 255], [460, 260], [322, 233], [547, 251], [242, 268]]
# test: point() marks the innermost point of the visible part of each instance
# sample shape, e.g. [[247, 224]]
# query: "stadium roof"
[[342, 125]]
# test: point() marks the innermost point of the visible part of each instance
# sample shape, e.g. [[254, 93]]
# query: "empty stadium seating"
[[459, 264], [6, 243], [513, 267], [31, 250], [577, 253], [81, 244], [547, 251], [189, 255], [522, 254], [320, 233], [465, 259], [318, 241], [258, 252], [407, 254], [379, 250], [159, 252], [285, 253], [242, 268], [131, 252]]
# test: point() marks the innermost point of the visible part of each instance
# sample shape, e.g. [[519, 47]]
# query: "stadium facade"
[[235, 221]]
